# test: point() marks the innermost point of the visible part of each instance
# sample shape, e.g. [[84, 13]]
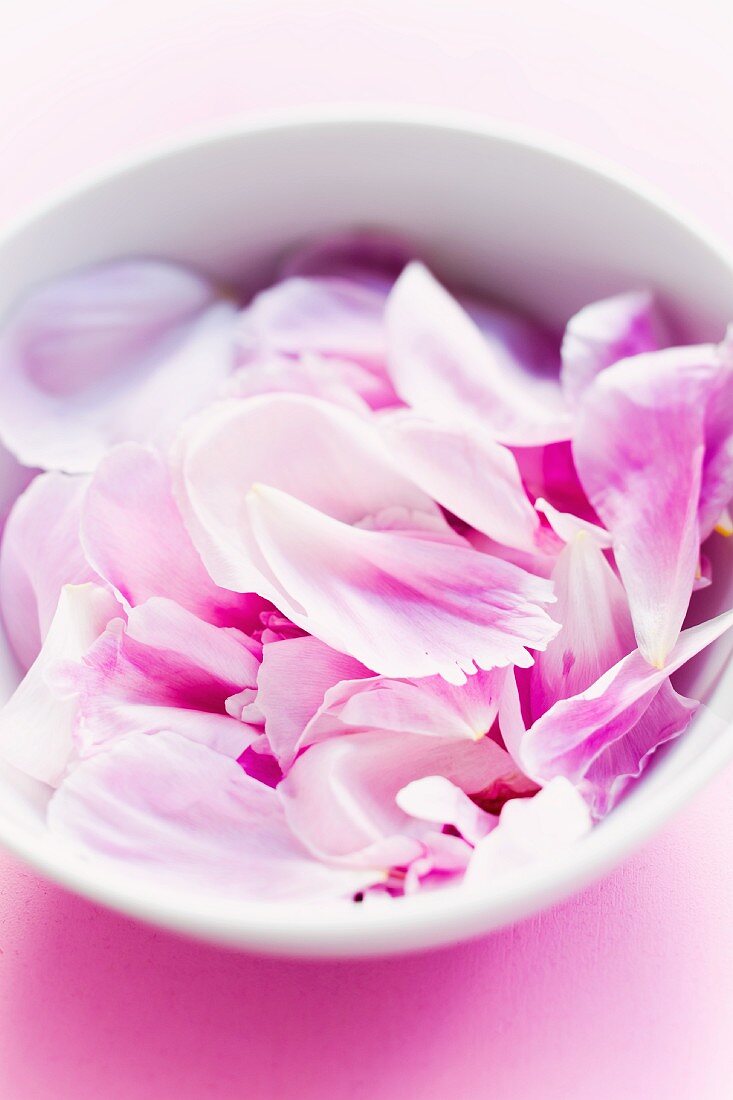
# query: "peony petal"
[[115, 352], [429, 706], [337, 380], [294, 676], [40, 553], [134, 536], [604, 332], [343, 468], [14, 478], [340, 796], [163, 669], [369, 256], [570, 737], [404, 607], [434, 798], [566, 525], [179, 815], [449, 369], [468, 473], [530, 830], [36, 723], [639, 449]]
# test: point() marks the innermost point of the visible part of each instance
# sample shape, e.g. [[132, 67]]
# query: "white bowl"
[[503, 214]]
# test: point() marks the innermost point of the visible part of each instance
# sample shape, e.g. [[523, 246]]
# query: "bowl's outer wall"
[[515, 220]]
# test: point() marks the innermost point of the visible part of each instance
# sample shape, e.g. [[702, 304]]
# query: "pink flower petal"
[[294, 676], [40, 553], [115, 352], [182, 816], [134, 537], [566, 525], [14, 478], [340, 796], [447, 368], [530, 830], [338, 380], [365, 255], [468, 473], [163, 669], [570, 737], [434, 798], [36, 724], [604, 332], [639, 449], [343, 468], [404, 607]]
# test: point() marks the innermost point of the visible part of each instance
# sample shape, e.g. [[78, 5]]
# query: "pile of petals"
[[355, 590]]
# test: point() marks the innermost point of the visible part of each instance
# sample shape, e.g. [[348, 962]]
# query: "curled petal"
[[134, 537], [604, 332], [434, 798], [566, 525], [639, 449], [40, 553], [343, 468], [163, 669], [448, 368], [116, 352], [340, 796], [468, 473], [404, 607], [529, 830], [36, 724], [132, 808]]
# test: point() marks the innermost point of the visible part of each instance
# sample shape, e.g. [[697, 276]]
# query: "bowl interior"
[[513, 220]]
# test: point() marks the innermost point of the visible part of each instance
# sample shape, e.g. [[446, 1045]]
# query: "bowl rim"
[[442, 917]]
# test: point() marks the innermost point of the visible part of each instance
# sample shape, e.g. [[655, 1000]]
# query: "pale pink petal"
[[373, 256], [328, 457], [294, 676], [603, 332], [447, 368], [338, 380], [468, 473], [429, 706], [639, 449], [36, 724], [115, 352], [340, 796], [566, 525], [180, 815], [134, 537], [716, 491], [595, 630], [569, 738], [163, 669], [40, 553], [404, 607], [530, 830], [14, 478], [434, 798]]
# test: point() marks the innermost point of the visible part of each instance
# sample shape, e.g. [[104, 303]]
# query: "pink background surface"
[[626, 990]]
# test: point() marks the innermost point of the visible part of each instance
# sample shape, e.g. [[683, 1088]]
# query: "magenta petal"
[[639, 449], [604, 332], [294, 676], [570, 737], [40, 553], [468, 473], [530, 830], [340, 796], [36, 724], [164, 669], [446, 368], [135, 538], [403, 606], [115, 352], [180, 815]]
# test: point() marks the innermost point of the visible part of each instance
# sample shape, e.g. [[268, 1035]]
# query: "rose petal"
[[115, 352], [40, 553], [180, 815], [447, 368], [36, 724], [404, 607]]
